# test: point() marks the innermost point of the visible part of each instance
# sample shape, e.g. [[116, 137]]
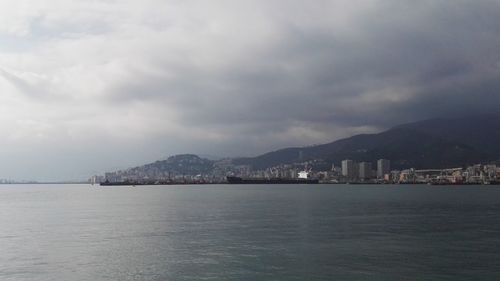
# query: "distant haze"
[[90, 86]]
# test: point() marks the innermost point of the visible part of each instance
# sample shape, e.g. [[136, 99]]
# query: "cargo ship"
[[239, 180], [122, 183]]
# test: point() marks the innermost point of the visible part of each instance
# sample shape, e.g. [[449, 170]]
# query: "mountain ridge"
[[437, 143], [431, 143]]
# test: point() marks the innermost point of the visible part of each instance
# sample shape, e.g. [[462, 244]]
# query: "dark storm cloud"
[[399, 61]]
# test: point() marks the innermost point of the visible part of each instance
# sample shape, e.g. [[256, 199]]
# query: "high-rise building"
[[383, 167], [365, 170], [349, 169]]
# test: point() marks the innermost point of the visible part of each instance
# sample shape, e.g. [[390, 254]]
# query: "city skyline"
[[191, 169], [93, 86]]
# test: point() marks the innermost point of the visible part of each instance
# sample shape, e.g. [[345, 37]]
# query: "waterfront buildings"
[[348, 172], [349, 169], [383, 168], [365, 170]]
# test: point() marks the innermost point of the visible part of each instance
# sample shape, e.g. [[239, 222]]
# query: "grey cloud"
[[300, 73], [23, 86], [311, 74]]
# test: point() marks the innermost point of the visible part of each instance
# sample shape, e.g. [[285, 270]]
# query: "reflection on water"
[[226, 232]]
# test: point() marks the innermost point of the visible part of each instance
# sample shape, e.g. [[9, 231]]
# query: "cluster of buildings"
[[352, 171], [375, 173], [348, 172], [154, 176], [475, 174]]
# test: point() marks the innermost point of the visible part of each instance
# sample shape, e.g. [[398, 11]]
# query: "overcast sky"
[[89, 86]]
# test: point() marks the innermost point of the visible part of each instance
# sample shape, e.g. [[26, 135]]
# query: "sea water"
[[260, 232]]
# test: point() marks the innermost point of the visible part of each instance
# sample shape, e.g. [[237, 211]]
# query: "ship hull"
[[238, 180]]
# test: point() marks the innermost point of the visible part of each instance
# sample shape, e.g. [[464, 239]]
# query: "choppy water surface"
[[320, 232]]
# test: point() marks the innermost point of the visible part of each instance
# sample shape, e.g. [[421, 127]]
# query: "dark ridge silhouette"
[[434, 143]]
